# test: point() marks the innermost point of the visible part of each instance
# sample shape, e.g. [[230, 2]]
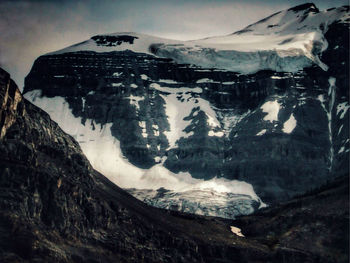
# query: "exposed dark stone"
[[310, 7], [110, 41]]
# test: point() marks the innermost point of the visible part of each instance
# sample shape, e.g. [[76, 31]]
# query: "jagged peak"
[[311, 7]]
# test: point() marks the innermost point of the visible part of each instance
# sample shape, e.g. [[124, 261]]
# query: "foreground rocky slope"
[[317, 222], [166, 120], [55, 207]]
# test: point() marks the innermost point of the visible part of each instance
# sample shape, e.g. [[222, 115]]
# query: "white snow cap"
[[285, 41]]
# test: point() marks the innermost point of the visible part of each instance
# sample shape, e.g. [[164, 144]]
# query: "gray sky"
[[30, 28]]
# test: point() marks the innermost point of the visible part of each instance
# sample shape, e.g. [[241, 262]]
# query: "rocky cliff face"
[[11, 103], [55, 207], [170, 125]]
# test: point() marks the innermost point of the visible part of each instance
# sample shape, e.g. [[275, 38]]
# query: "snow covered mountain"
[[289, 41], [211, 126]]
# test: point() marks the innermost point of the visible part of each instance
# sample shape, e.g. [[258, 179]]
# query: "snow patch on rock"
[[342, 109], [290, 124], [237, 231], [168, 81], [271, 108], [262, 132], [216, 133], [134, 100]]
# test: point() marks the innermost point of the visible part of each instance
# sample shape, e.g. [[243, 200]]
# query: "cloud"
[[195, 22], [31, 29]]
